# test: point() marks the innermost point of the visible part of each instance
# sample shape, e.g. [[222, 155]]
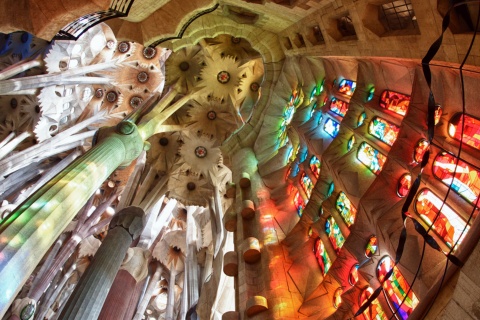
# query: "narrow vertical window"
[[315, 166], [346, 209], [395, 289], [371, 157], [307, 184], [361, 119], [350, 143], [420, 149], [322, 256], [404, 185], [370, 93], [299, 203], [394, 101], [334, 234]]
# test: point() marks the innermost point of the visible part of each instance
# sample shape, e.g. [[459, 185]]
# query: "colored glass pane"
[[331, 127], [299, 203], [295, 99], [350, 143], [347, 87], [361, 119], [420, 150], [314, 107], [307, 184], [438, 114], [370, 94], [339, 107], [372, 247], [375, 310], [337, 298], [471, 130], [395, 289], [465, 181], [383, 130], [322, 257], [394, 101], [346, 209], [288, 114], [313, 94], [334, 234], [353, 274], [448, 224], [315, 166], [371, 157], [404, 185], [331, 188]]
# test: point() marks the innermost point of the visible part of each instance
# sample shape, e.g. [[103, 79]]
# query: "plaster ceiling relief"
[[163, 154], [198, 152], [188, 187], [183, 67], [171, 250]]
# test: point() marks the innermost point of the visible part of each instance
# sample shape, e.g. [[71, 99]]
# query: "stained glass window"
[[350, 143], [331, 127], [314, 93], [371, 157], [372, 247], [394, 101], [404, 185], [370, 94], [315, 166], [320, 119], [314, 107], [395, 288], [383, 130], [438, 114], [334, 234], [306, 184], [346, 209], [299, 203], [347, 87], [322, 257], [353, 274], [466, 181], [471, 130], [337, 298], [375, 310], [420, 149], [339, 107], [361, 119], [331, 188], [448, 225]]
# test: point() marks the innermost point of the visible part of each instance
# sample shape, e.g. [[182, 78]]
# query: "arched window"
[[353, 274], [347, 87], [370, 94], [394, 101], [299, 203], [471, 130], [420, 149], [383, 130], [395, 288], [350, 143], [307, 184], [375, 310], [322, 257], [404, 185], [371, 157], [361, 119], [339, 107], [315, 166], [337, 298], [372, 247], [448, 225], [466, 181], [346, 209], [331, 127], [334, 234]]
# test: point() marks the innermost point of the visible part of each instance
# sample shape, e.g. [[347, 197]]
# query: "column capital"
[[132, 219]]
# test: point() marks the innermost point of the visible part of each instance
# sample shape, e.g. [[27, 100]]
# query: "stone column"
[[149, 292], [191, 264], [171, 293], [91, 291]]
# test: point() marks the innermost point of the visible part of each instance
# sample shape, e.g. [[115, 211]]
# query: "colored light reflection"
[[331, 127], [372, 247], [371, 157], [322, 257], [466, 180], [334, 234], [361, 119], [383, 130], [315, 166], [346, 209], [395, 289], [339, 107], [394, 101], [420, 149], [448, 224], [404, 185], [471, 130], [307, 184], [347, 87], [375, 310], [350, 143]]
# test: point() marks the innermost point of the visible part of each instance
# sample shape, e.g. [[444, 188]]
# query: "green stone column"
[[28, 233]]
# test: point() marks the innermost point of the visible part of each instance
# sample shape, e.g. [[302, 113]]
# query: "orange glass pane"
[[404, 185], [471, 130], [394, 101], [420, 149]]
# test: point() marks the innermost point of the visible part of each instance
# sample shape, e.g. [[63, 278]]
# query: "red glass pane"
[[471, 130], [420, 149], [375, 310], [404, 185], [394, 101], [466, 180]]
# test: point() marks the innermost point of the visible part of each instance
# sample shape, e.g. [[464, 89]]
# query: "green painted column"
[[27, 234]]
